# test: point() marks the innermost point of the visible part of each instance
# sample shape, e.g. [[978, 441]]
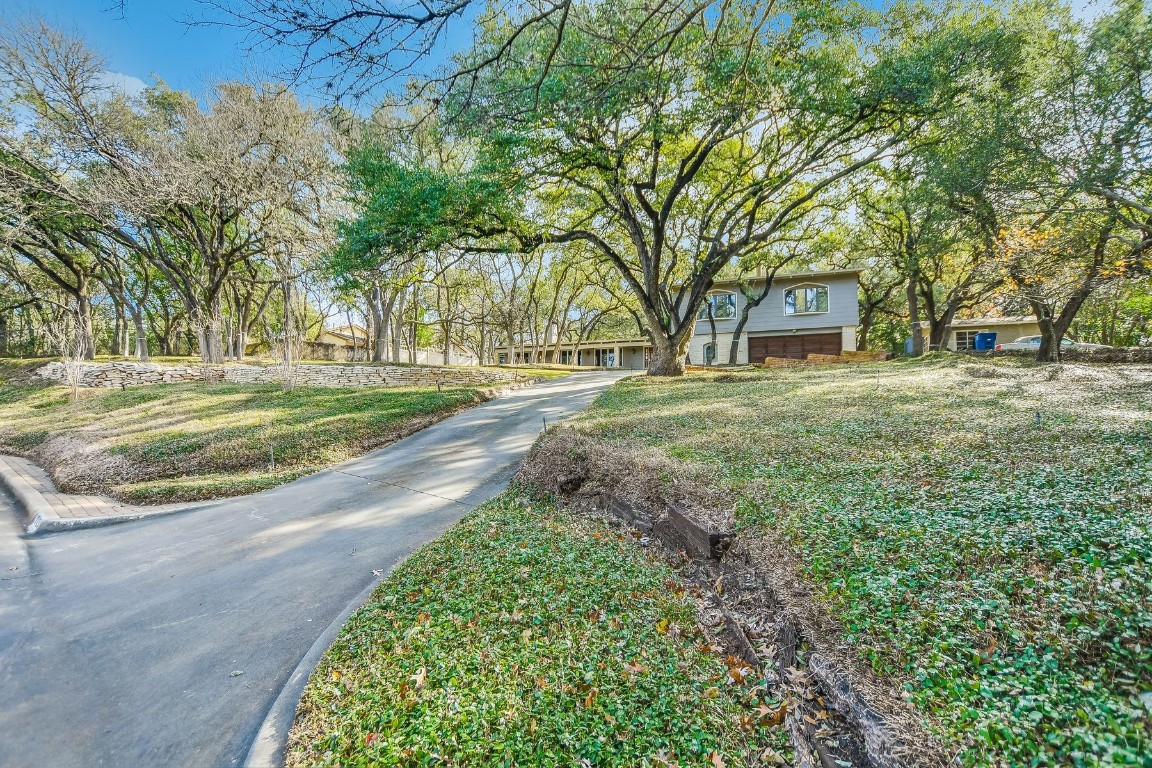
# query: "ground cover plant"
[[527, 636], [169, 442], [979, 530]]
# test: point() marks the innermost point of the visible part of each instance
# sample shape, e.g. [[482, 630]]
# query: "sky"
[[152, 38]]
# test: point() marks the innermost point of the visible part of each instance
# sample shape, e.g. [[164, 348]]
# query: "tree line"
[[587, 170]]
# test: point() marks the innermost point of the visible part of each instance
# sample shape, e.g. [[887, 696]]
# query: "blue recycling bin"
[[985, 342]]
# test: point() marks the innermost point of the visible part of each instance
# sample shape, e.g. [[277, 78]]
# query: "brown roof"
[[969, 322]]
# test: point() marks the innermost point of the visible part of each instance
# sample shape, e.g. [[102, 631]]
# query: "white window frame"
[[702, 313], [969, 339], [806, 286]]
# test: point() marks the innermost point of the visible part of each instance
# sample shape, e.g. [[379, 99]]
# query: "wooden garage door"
[[797, 346]]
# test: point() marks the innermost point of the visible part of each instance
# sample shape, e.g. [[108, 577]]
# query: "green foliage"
[[201, 441], [406, 208], [524, 636], [996, 566]]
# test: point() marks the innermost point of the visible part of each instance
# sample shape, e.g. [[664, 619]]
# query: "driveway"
[[165, 642]]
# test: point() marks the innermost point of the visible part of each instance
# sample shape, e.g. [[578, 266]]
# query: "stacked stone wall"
[[124, 374]]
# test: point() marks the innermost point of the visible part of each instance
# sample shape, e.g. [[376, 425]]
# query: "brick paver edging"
[[49, 510]]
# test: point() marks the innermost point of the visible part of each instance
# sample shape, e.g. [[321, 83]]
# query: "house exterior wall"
[[768, 319], [1004, 332]]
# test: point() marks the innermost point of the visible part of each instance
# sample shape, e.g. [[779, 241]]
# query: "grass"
[[528, 637], [982, 532], [531, 371], [171, 442]]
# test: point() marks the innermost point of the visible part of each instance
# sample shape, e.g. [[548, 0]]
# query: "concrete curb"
[[43, 518], [52, 523], [271, 741], [34, 503]]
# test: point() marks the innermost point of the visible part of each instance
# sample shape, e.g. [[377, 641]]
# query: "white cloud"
[[128, 84]]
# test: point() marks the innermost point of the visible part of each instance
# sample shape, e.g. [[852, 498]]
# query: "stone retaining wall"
[[1105, 355], [137, 374]]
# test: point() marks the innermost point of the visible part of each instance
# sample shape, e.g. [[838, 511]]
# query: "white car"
[[1032, 344]]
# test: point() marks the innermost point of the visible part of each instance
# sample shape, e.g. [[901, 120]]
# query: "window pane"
[[790, 302], [821, 300]]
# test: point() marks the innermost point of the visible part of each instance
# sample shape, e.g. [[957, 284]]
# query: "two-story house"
[[803, 313]]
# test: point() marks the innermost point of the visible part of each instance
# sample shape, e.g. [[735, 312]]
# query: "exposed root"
[[753, 602]]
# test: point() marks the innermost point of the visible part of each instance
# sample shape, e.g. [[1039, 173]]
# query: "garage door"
[[797, 346]]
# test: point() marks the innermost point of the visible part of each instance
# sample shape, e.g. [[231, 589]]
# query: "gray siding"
[[843, 307]]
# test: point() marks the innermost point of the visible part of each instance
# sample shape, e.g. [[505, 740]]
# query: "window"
[[723, 307], [966, 339], [805, 300]]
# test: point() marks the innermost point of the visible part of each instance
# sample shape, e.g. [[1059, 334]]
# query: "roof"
[[792, 276], [586, 343], [982, 321]]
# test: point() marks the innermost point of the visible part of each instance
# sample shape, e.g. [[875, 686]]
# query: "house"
[[804, 313], [350, 343], [604, 353], [345, 336], [1007, 329]]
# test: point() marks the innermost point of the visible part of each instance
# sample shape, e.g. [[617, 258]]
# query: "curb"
[[43, 518], [50, 523], [33, 502], [270, 743]]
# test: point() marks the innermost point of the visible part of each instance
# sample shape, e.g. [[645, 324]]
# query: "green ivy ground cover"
[[980, 530], [529, 637], [169, 442]]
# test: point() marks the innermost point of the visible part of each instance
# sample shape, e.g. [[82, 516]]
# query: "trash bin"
[[908, 346], [985, 341]]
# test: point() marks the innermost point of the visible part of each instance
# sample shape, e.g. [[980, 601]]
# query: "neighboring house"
[[811, 312], [341, 341], [1009, 328], [344, 336], [606, 353]]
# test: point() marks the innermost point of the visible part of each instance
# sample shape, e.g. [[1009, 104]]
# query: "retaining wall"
[[138, 374]]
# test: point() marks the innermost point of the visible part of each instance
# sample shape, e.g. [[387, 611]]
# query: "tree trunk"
[[397, 320], [85, 338], [750, 304], [141, 337], [862, 334], [378, 319], [3, 334], [118, 348], [209, 328], [288, 379], [914, 318], [941, 329], [669, 353]]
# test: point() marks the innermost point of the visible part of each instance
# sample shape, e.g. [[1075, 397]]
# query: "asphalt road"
[[164, 642]]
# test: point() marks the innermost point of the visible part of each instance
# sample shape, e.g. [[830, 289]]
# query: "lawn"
[[531, 637], [170, 442], [980, 531]]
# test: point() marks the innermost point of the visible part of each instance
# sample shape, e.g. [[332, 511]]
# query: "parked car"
[[1032, 344]]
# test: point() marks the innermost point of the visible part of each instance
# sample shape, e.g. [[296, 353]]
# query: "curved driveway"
[[164, 642]]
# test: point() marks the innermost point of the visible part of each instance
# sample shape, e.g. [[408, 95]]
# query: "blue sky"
[[152, 37]]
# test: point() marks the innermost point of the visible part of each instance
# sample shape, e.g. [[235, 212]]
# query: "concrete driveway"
[[165, 642]]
